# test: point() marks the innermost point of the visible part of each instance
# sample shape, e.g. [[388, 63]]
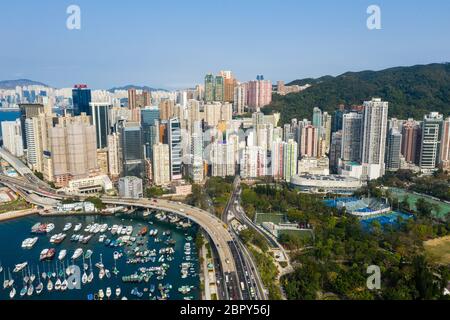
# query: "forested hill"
[[411, 92]]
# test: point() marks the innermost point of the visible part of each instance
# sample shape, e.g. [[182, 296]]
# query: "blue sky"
[[173, 43]]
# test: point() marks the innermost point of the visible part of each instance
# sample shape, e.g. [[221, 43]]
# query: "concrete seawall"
[[17, 214]]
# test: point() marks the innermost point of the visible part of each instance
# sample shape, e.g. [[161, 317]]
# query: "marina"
[[121, 257]]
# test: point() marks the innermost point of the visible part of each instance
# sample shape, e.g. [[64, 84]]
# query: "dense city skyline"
[[151, 43]]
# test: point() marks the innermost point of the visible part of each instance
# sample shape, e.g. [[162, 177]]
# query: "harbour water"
[[12, 233]]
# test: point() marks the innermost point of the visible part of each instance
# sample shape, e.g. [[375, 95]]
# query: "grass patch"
[[16, 205], [275, 218]]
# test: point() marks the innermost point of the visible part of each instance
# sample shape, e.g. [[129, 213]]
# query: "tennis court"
[[444, 208], [275, 218]]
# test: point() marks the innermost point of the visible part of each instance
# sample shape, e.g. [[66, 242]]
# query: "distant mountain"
[[128, 87], [411, 92], [12, 84]]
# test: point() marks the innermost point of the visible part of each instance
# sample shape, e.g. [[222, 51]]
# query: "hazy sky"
[[173, 43]]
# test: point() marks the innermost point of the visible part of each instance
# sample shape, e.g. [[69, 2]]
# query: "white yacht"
[[77, 253], [62, 254], [19, 267]]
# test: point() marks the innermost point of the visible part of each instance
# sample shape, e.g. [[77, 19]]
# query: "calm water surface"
[[12, 233]]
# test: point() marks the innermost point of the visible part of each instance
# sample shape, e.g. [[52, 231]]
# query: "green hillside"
[[411, 92]]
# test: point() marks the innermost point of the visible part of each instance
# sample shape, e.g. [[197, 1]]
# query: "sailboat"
[[58, 281], [115, 270], [49, 285], [5, 282], [108, 292], [101, 294], [64, 284], [84, 277], [91, 274], [30, 290], [100, 264], [32, 276], [26, 278], [40, 285], [44, 274], [12, 293], [11, 280], [24, 290]]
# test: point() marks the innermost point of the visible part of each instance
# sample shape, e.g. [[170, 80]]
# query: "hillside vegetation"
[[411, 92]]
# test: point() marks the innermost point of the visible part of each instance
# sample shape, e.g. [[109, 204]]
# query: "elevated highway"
[[213, 226]]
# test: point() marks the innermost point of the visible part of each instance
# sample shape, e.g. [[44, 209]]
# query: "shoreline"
[[18, 214]]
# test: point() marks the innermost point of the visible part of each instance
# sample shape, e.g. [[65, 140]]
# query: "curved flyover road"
[[215, 228], [211, 224]]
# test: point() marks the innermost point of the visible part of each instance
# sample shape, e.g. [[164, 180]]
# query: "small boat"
[[62, 254], [77, 254], [91, 274], [58, 238], [24, 291], [29, 243], [67, 227], [5, 281], [30, 290], [114, 229], [102, 238], [58, 285], [19, 267], [49, 285], [11, 280], [101, 274], [64, 285], [101, 294], [116, 255], [84, 278], [77, 227], [12, 293], [50, 254], [43, 254], [118, 291], [135, 292], [40, 285], [143, 231], [86, 239], [107, 273], [50, 227], [100, 264], [108, 292]]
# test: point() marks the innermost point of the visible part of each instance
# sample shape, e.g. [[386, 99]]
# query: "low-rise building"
[[85, 207], [130, 188], [326, 184], [90, 185]]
